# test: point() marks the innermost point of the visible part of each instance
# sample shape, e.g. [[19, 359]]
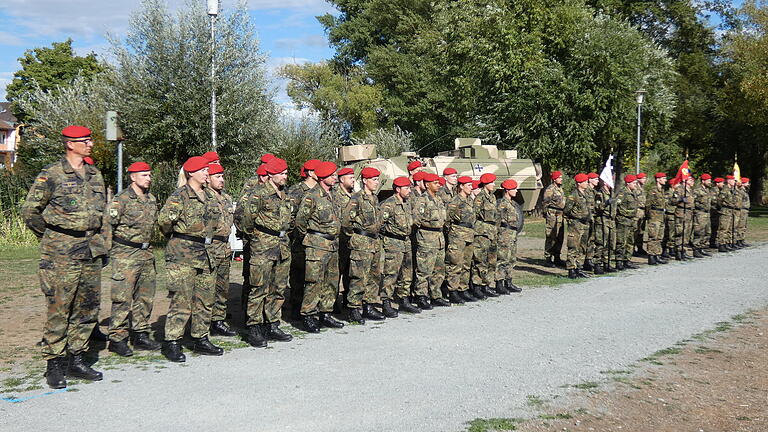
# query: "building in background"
[[9, 136]]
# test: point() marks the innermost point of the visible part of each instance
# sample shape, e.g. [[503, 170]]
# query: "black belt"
[[143, 246], [69, 232], [701, 209], [465, 225], [658, 209], [431, 229], [271, 232], [508, 226], [363, 232], [221, 238], [395, 236], [556, 208], [322, 234], [489, 223], [203, 240], [745, 208]]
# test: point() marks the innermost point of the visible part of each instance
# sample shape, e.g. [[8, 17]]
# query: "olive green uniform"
[[396, 227], [133, 219], [461, 233], [296, 194], [553, 203], [341, 198], [506, 254], [728, 204], [430, 246], [447, 194], [248, 187], [605, 227], [684, 204], [589, 242], [701, 216], [626, 212], [65, 209], [640, 228], [669, 219], [579, 217], [222, 255], [655, 212], [744, 203], [361, 222], [484, 262], [190, 219]]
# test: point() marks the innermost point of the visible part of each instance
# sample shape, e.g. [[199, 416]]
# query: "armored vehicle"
[[469, 157]]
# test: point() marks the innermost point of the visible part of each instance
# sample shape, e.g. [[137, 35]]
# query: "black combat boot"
[[660, 260], [355, 315], [97, 335], [275, 333], [665, 253], [54, 373], [619, 265], [731, 247], [704, 252], [406, 306], [549, 263], [608, 269], [652, 260], [501, 287], [440, 302], [120, 348], [477, 292], [422, 302], [467, 296], [372, 313], [745, 244], [629, 265], [697, 253], [678, 255], [204, 346], [79, 369], [512, 287], [329, 321], [142, 341], [255, 337], [455, 298], [387, 309], [311, 325], [559, 262], [220, 328], [488, 291], [581, 274], [572, 274], [588, 265], [722, 248], [599, 269], [173, 352]]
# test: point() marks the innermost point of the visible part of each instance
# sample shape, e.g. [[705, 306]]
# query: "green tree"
[[48, 69]]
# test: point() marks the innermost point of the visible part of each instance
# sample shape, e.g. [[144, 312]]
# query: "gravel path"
[[430, 372]]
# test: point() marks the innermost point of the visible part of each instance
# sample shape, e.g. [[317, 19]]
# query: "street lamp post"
[[640, 97], [213, 12]]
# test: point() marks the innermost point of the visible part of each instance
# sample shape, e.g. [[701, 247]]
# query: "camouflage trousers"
[[344, 254], [624, 235], [654, 234], [364, 278], [669, 231], [683, 231], [269, 282], [578, 234], [741, 228], [458, 264], [506, 254], [397, 274], [246, 270], [484, 261], [725, 227], [605, 243], [192, 296], [72, 290], [295, 296], [639, 237], [589, 253], [133, 293], [221, 293], [321, 281], [430, 271], [701, 229], [555, 234]]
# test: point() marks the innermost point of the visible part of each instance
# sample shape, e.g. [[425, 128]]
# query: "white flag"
[[607, 174]]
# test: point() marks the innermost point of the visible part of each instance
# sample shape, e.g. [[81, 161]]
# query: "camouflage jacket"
[[640, 194], [361, 217], [317, 220], [703, 197], [508, 220], [295, 194], [447, 194], [577, 207], [221, 247], [188, 214], [250, 185], [553, 199], [461, 218], [61, 197], [340, 196], [626, 206], [430, 218], [745, 201], [669, 195], [396, 220], [266, 218], [683, 199], [655, 204], [591, 193], [133, 219], [728, 200], [486, 214], [605, 209]]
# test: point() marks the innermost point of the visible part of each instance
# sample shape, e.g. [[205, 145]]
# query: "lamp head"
[[640, 96], [213, 7]]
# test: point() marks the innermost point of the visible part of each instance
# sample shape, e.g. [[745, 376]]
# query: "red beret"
[[449, 171], [275, 166], [88, 160], [509, 184], [442, 181], [261, 170], [139, 167], [430, 177], [629, 178], [419, 176], [641, 175], [580, 178], [706, 176], [475, 184], [592, 175], [660, 175], [345, 171], [325, 169], [487, 178], [729, 177], [215, 169], [465, 179], [195, 163], [719, 179], [211, 156], [413, 165], [556, 174], [744, 180], [76, 132], [309, 165], [401, 182], [267, 157], [370, 172]]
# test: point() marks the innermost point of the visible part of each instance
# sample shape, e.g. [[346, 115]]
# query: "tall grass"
[[13, 231]]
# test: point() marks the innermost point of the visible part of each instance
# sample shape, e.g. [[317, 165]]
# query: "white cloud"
[[308, 6], [5, 79], [308, 41], [10, 39]]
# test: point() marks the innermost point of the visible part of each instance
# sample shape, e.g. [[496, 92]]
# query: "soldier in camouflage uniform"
[[577, 213], [190, 217], [460, 221], [605, 229], [626, 212], [222, 252], [132, 215], [509, 222], [430, 248], [266, 218], [361, 222], [553, 202], [318, 223], [484, 261], [741, 229], [684, 204], [448, 191], [728, 203], [639, 237], [655, 210], [702, 194], [396, 227], [589, 241], [668, 244], [65, 207], [341, 194]]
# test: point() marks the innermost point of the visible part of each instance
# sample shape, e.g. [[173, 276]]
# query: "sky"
[[287, 29]]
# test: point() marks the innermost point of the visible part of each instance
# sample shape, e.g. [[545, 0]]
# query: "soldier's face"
[[632, 185], [81, 147], [347, 180], [466, 188], [279, 179], [661, 181], [433, 186], [512, 192], [707, 182], [641, 181], [490, 187], [451, 179], [330, 180], [559, 180], [731, 182], [371, 183], [593, 182], [217, 181], [404, 191], [142, 179], [200, 176]]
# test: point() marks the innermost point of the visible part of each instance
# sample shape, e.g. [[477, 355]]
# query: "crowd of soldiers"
[[434, 242], [664, 220]]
